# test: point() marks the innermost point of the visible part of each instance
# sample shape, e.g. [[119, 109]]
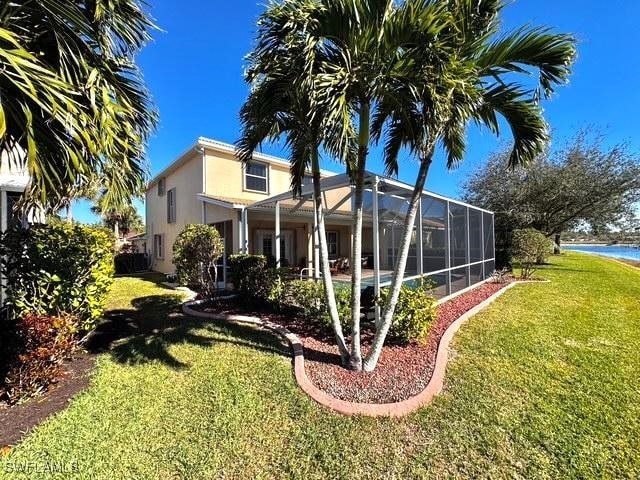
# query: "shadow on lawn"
[[145, 333]]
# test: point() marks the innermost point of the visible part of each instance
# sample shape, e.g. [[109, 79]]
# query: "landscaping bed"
[[402, 371], [16, 421]]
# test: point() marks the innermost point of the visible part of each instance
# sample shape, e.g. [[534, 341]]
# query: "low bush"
[[58, 268], [414, 314], [195, 252], [32, 349], [307, 297], [530, 248], [252, 278]]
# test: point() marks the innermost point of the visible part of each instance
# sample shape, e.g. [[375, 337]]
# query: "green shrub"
[[414, 314], [307, 297], [195, 252], [343, 300], [252, 278], [32, 349], [530, 248], [58, 268]]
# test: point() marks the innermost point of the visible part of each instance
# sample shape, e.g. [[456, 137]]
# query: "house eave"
[[208, 143]]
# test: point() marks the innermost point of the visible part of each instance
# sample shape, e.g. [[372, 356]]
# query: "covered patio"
[[452, 242]]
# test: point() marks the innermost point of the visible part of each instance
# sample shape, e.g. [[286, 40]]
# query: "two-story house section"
[[254, 210], [208, 184]]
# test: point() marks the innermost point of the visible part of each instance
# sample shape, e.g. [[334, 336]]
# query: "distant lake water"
[[615, 251]]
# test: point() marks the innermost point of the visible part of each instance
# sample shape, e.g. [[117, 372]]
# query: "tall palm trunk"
[[382, 330], [324, 260], [355, 359]]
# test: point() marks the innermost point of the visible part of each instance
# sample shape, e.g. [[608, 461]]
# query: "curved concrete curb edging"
[[397, 409]]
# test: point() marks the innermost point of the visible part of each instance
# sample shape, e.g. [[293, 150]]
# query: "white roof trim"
[[263, 157], [340, 181], [204, 142], [220, 203], [14, 182]]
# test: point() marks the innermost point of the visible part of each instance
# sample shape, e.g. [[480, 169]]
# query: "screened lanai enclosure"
[[452, 242]]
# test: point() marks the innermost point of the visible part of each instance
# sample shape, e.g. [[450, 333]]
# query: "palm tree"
[[467, 75], [281, 105], [358, 49], [72, 101], [122, 220]]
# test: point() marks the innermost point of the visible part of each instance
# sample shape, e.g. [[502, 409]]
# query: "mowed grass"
[[542, 384]]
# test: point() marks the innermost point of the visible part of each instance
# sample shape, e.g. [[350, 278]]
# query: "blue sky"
[[195, 64]]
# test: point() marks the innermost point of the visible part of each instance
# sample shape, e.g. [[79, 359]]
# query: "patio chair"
[[343, 265]]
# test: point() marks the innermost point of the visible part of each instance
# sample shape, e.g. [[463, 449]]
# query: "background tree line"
[[586, 184]]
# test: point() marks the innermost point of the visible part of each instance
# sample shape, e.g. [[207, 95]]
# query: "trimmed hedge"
[[415, 312], [58, 268], [195, 252], [252, 277]]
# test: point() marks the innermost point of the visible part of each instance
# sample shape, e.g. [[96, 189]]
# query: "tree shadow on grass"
[[146, 333]]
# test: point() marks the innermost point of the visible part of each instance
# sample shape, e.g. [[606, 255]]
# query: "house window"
[[267, 246], [158, 246], [307, 181], [161, 187], [332, 243], [256, 177], [171, 206]]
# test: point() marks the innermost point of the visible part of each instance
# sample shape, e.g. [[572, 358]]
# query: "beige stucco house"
[[254, 210], [208, 184]]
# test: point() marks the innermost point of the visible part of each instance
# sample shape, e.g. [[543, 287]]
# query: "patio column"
[[278, 261], [447, 249], [376, 248], [419, 240], [243, 231], [3, 210], [482, 244], [316, 245], [468, 253]]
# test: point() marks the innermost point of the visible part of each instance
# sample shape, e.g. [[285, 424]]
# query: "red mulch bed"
[[18, 420], [403, 370]]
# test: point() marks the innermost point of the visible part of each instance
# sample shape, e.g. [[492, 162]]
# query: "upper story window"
[[171, 206], [256, 177], [161, 187]]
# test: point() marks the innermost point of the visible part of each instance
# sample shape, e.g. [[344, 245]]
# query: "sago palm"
[[73, 105], [469, 74]]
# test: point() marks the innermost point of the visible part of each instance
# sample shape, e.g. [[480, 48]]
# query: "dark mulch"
[[402, 371], [16, 421]]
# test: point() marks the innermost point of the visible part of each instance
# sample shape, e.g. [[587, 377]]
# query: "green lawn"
[[543, 384]]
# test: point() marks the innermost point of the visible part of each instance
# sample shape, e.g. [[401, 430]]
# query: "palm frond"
[[550, 53]]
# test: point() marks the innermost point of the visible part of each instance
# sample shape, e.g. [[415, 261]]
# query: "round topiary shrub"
[[195, 253], [530, 248]]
